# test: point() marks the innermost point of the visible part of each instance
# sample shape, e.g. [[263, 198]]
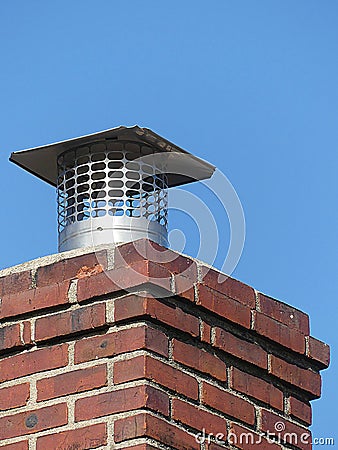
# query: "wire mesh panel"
[[111, 179]]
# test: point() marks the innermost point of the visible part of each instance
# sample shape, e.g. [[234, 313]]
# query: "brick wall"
[[142, 348]]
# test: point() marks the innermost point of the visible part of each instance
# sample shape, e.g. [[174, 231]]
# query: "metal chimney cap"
[[42, 161]]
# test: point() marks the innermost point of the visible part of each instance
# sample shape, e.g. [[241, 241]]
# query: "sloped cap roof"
[[182, 166]]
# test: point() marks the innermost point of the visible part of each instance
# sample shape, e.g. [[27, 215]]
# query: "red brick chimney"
[[98, 350]]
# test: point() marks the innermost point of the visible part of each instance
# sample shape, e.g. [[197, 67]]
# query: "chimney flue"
[[112, 185], [111, 191]]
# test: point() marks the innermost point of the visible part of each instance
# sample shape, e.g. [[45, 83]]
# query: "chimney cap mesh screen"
[[111, 179]]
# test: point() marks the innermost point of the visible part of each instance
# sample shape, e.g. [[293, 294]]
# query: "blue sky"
[[250, 86]]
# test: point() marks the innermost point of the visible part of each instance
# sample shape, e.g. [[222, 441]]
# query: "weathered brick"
[[122, 341], [15, 282], [69, 322], [14, 396], [284, 313], [69, 268], [27, 335], [228, 286], [228, 403], [291, 433], [256, 388], [35, 361], [278, 332], [72, 382], [144, 366], [206, 332], [135, 306], [96, 286], [33, 421], [126, 399], [184, 287], [10, 337], [143, 249], [199, 359], [318, 351], [197, 418], [300, 410], [124, 278], [82, 438], [246, 439], [225, 307], [304, 379], [146, 425], [86, 271], [152, 273], [34, 299], [244, 350]]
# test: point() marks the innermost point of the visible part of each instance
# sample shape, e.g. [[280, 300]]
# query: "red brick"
[[302, 378], [124, 278], [35, 361], [139, 250], [122, 341], [291, 433], [135, 306], [247, 439], [206, 333], [256, 388], [96, 286], [198, 418], [70, 322], [69, 268], [126, 399], [284, 313], [82, 438], [318, 351], [10, 337], [27, 335], [228, 286], [280, 333], [143, 249], [72, 382], [228, 403], [300, 410], [33, 421], [152, 273], [244, 350], [184, 287], [34, 299], [224, 306], [15, 282], [14, 396], [144, 366], [86, 271], [146, 425], [199, 359], [22, 445]]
